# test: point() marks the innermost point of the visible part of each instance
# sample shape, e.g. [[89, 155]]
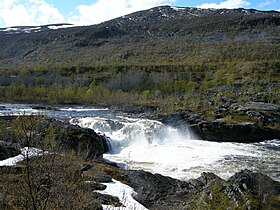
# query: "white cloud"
[[267, 3], [104, 10], [229, 4], [31, 12]]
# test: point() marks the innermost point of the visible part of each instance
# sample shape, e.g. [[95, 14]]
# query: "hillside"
[[159, 35], [197, 61], [215, 70]]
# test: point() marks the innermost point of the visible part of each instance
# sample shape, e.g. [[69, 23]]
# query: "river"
[[152, 146]]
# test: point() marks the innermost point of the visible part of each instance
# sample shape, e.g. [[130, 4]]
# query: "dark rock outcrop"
[[7, 151], [246, 181], [250, 122], [244, 190], [85, 142], [244, 123], [241, 132], [257, 106], [154, 189]]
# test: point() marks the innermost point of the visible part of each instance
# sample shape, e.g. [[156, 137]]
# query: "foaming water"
[[152, 146]]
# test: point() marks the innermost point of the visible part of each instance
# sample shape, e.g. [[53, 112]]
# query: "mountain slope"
[[162, 34], [205, 63]]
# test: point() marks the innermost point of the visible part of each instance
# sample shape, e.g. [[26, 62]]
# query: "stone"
[[243, 132], [195, 118], [8, 151], [115, 125], [206, 192], [84, 141], [257, 106]]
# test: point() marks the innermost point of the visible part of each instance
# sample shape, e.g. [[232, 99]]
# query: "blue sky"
[[87, 12]]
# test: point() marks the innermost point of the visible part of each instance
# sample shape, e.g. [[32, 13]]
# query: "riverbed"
[[137, 143]]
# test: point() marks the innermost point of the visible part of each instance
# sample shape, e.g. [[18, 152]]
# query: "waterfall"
[[152, 146], [127, 132]]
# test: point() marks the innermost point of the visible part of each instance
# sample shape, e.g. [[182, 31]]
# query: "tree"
[[48, 178]]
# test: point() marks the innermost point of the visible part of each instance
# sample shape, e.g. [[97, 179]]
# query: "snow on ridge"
[[178, 8], [16, 30], [55, 27], [10, 29], [28, 29], [124, 193]]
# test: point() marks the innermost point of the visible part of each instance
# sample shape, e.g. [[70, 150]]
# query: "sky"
[[88, 12]]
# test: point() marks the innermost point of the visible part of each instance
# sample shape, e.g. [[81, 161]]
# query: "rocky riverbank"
[[244, 190], [17, 132], [88, 173], [243, 123]]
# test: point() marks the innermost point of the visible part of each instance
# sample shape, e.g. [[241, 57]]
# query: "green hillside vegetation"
[[192, 86], [185, 62]]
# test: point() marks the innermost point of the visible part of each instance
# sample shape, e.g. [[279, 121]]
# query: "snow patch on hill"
[[35, 29]]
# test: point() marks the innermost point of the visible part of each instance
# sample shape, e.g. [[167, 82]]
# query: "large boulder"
[[66, 137], [246, 181], [84, 141], [7, 151], [155, 190], [244, 190]]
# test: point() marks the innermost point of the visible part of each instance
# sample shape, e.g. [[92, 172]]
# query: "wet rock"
[[38, 107], [97, 186], [108, 200], [115, 125], [177, 119]]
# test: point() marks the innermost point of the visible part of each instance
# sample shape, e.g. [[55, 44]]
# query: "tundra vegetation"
[[47, 177], [187, 59], [192, 60], [197, 87]]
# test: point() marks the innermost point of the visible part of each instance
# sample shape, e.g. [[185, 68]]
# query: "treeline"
[[192, 86]]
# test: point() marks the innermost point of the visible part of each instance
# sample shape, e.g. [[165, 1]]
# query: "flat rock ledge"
[[246, 132], [243, 123]]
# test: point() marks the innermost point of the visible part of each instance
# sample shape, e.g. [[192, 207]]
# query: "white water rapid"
[[155, 147], [152, 146]]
